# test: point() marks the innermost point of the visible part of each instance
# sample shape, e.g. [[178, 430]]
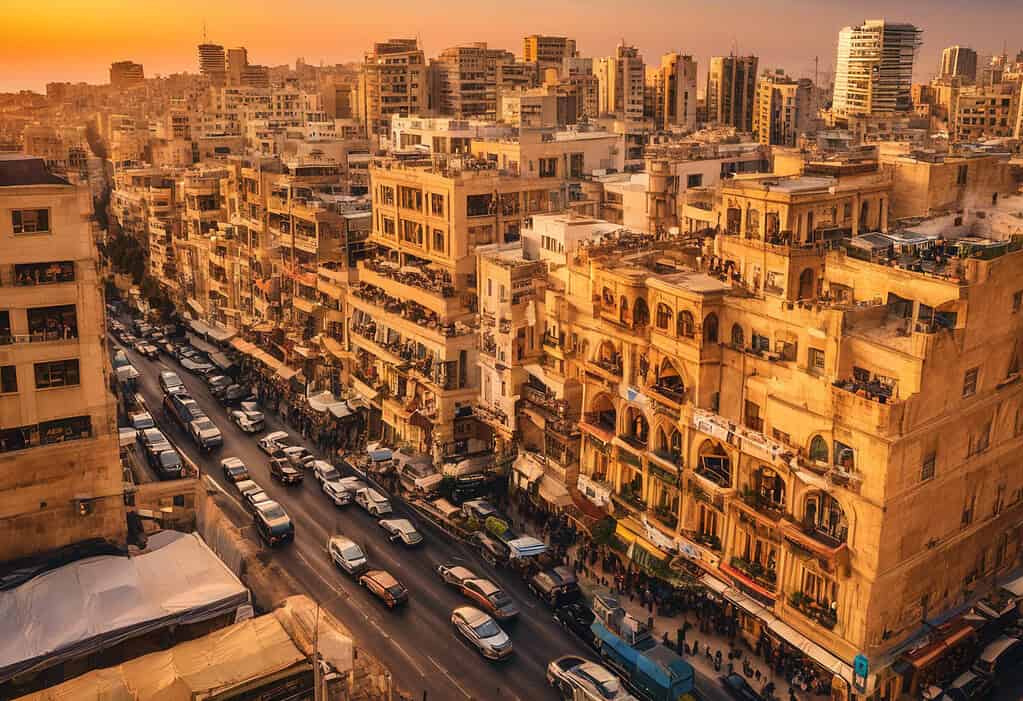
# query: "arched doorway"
[[710, 328], [637, 428], [714, 464], [669, 382], [825, 519], [640, 313], [806, 284]]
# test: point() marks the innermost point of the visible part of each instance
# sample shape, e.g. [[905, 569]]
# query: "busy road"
[[416, 642]]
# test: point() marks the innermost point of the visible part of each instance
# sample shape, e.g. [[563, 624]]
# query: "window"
[[663, 316], [8, 379], [710, 328], [815, 360], [60, 373], [819, 449], [386, 195], [753, 419], [961, 175], [30, 221], [980, 441], [548, 167], [970, 382], [410, 198], [53, 323], [738, 337], [968, 506], [44, 273], [479, 205], [388, 227], [438, 240], [686, 325], [694, 180], [927, 469], [437, 205]]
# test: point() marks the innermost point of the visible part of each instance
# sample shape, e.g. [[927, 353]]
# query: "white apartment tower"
[[874, 70]]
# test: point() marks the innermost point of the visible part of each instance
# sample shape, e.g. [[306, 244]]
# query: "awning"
[[527, 468], [365, 390], [714, 584], [341, 410], [286, 373], [263, 327], [631, 531], [199, 344], [812, 479], [242, 345], [221, 360], [195, 306], [221, 334], [554, 492], [323, 401], [332, 346]]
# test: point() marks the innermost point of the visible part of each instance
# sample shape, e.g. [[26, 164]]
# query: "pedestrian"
[[696, 648], [717, 661], [792, 694], [680, 638]]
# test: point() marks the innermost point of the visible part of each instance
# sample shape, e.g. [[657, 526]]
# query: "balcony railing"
[[756, 571], [558, 407], [820, 613]]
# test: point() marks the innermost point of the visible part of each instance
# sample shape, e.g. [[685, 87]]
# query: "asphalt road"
[[416, 643]]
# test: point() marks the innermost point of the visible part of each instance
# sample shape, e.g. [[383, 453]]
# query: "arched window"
[[819, 449], [623, 311], [670, 382], [670, 447], [715, 464], [663, 316], [640, 313], [609, 299], [636, 426], [710, 328], [738, 337], [769, 488], [686, 325], [824, 517], [602, 413]]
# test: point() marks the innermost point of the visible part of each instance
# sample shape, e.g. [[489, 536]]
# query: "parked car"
[[490, 549], [282, 470], [206, 434], [385, 587], [556, 587], [576, 617], [738, 688], [489, 597], [969, 686], [482, 632], [347, 555], [248, 417], [183, 408], [170, 382], [401, 529], [255, 497], [147, 350], [120, 360], [218, 384], [298, 456], [330, 482], [999, 656], [247, 485], [272, 441], [234, 469], [582, 680], [153, 441], [373, 501], [141, 421], [235, 393], [196, 367], [168, 464], [273, 523]]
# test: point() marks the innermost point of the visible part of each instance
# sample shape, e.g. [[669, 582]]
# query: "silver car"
[[578, 678], [347, 555], [482, 632]]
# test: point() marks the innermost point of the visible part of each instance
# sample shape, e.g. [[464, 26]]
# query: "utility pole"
[[317, 681]]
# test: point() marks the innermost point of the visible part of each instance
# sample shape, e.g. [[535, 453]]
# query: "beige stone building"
[[393, 80], [783, 110], [547, 51], [60, 475], [672, 89], [731, 91]]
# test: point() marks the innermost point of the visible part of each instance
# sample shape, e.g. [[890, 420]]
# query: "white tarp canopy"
[[96, 602], [323, 401]]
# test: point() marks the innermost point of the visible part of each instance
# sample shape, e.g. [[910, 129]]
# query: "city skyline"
[[88, 41]]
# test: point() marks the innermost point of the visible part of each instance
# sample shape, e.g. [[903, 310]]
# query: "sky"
[[76, 40]]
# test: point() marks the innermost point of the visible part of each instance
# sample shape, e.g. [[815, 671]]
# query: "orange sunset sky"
[[44, 40]]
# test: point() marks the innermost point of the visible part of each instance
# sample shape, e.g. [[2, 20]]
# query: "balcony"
[[308, 306], [672, 396], [32, 274], [865, 406], [820, 613], [666, 516], [760, 506], [408, 310], [810, 539], [309, 244], [767, 578], [610, 370], [631, 499]]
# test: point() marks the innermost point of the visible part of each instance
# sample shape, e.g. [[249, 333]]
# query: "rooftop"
[[20, 169]]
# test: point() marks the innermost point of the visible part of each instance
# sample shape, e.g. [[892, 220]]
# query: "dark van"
[[556, 587]]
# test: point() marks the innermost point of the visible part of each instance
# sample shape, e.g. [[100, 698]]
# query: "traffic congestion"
[[529, 628]]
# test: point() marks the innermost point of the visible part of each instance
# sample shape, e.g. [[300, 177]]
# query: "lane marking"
[[450, 678], [340, 592]]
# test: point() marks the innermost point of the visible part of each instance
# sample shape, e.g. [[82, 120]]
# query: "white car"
[[298, 456], [347, 555], [454, 574], [373, 501], [401, 529], [578, 678], [482, 632], [245, 423], [330, 482], [273, 441]]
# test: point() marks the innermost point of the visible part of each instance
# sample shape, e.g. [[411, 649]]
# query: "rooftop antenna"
[[204, 31]]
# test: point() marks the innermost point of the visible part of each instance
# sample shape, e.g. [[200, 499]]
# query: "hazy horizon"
[[76, 42]]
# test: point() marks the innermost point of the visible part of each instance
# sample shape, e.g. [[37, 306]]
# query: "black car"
[[273, 523], [577, 618], [168, 464], [556, 587], [738, 688], [282, 470]]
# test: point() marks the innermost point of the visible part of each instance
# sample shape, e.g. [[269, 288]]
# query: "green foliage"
[[603, 530]]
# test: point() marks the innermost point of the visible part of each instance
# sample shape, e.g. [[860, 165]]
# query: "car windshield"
[[610, 688], [236, 469], [331, 475], [487, 629], [144, 422], [274, 512], [500, 599], [352, 552], [396, 590]]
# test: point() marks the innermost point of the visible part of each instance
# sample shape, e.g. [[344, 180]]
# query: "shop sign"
[[861, 669]]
